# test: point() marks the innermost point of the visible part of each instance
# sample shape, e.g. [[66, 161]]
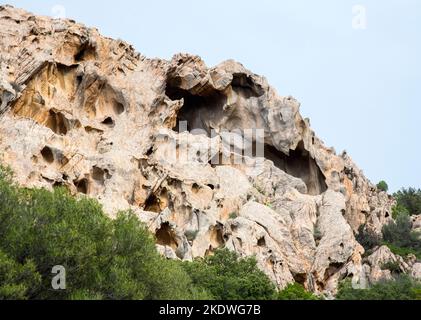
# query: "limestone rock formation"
[[89, 113]]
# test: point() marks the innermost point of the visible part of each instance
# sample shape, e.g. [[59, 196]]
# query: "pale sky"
[[361, 88]]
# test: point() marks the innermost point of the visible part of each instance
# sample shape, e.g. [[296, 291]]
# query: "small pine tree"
[[383, 186]]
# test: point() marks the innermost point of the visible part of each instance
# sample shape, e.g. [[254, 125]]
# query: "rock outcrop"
[[160, 137]]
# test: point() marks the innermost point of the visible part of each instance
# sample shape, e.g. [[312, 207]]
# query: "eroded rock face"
[[89, 113]]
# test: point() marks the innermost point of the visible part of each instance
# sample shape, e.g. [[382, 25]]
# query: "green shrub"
[[392, 266], [383, 186], [367, 239], [398, 210], [17, 280], [233, 215], [295, 292], [400, 234], [403, 252], [104, 258], [401, 288], [410, 199], [227, 277]]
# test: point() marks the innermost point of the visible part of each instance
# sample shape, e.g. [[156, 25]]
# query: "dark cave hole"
[[98, 174], [332, 269], [261, 242], [165, 236], [79, 80], [300, 278], [109, 122], [195, 188], [57, 122], [198, 110], [299, 164], [82, 186], [152, 204], [86, 52], [47, 154], [245, 84]]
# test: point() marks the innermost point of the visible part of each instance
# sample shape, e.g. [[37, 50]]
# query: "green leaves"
[[401, 288], [410, 199], [17, 280], [383, 186], [227, 277], [296, 292], [104, 258], [400, 238]]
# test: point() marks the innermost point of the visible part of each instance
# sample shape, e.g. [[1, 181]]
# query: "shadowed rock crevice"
[[299, 164], [199, 111], [85, 53], [165, 236], [245, 85]]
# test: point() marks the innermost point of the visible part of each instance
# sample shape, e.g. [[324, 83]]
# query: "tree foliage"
[[228, 277], [104, 258], [296, 291], [401, 288], [410, 199], [383, 186], [400, 238], [368, 239]]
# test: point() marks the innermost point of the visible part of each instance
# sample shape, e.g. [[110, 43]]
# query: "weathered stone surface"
[[89, 113], [416, 223], [377, 261], [416, 271]]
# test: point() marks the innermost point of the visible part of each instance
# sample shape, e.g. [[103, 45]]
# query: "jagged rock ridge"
[[89, 113]]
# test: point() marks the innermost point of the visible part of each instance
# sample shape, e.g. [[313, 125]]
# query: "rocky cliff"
[[89, 113]]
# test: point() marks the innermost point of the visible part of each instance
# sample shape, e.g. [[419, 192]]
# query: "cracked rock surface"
[[91, 114]]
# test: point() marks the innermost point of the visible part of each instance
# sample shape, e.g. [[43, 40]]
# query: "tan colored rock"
[[416, 224], [416, 271], [378, 260], [89, 113]]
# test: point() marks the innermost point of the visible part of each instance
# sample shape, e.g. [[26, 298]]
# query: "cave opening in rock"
[[199, 111], [165, 236], [118, 107], [299, 164], [261, 242], [244, 84], [82, 186], [86, 52], [98, 175], [47, 154], [57, 122], [109, 122]]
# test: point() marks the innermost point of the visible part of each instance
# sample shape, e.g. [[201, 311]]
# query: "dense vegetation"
[[409, 200], [296, 292], [105, 258], [401, 288], [401, 240]]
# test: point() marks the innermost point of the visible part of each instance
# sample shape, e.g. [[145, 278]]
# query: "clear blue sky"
[[360, 88]]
